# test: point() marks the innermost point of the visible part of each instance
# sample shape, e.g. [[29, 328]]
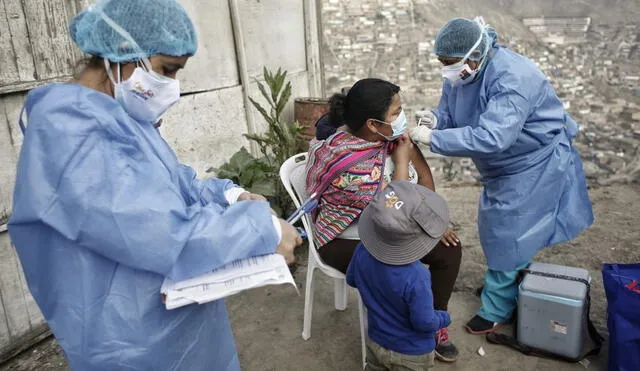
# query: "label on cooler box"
[[559, 327]]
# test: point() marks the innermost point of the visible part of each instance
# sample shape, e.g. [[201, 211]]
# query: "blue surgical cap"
[[458, 36], [156, 26]]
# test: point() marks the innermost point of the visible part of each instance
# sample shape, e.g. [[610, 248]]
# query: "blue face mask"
[[399, 126]]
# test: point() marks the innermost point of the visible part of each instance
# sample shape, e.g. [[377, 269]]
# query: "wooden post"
[[312, 27], [243, 71]]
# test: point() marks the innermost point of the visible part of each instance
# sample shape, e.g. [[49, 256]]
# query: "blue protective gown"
[[512, 124], [103, 211]]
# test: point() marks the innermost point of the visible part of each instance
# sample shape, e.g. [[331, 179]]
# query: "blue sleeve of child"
[[420, 300], [351, 280], [444, 317]]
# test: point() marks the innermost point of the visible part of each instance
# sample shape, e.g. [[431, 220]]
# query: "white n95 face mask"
[[145, 95], [399, 126], [460, 73]]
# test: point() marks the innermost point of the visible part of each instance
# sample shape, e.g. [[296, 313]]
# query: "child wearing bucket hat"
[[399, 227]]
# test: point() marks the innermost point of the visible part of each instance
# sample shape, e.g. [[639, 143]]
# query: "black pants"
[[443, 261]]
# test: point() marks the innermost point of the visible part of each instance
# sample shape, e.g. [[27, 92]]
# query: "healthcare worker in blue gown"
[[500, 110], [104, 211]]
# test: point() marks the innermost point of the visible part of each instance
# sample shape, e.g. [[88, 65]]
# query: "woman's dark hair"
[[92, 61], [367, 99]]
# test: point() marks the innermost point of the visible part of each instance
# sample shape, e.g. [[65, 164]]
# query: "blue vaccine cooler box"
[[552, 312]]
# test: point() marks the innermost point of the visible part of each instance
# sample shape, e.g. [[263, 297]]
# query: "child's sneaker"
[[478, 325], [445, 350]]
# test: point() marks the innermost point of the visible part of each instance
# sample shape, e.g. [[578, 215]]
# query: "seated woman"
[[349, 167]]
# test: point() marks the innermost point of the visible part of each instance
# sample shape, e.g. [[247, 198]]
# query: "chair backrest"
[[293, 174]]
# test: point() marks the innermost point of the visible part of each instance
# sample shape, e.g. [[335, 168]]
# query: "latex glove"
[[427, 118], [288, 242], [421, 135], [248, 196]]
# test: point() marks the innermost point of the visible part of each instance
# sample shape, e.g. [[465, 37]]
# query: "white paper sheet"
[[228, 280]]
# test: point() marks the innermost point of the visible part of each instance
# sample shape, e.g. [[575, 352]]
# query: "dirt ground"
[[268, 322]]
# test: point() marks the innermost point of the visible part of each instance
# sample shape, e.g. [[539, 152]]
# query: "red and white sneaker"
[[445, 350]]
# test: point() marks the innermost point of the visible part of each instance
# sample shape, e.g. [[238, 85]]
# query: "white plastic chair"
[[293, 175]]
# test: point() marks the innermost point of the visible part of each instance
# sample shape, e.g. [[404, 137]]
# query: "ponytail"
[[337, 110]]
